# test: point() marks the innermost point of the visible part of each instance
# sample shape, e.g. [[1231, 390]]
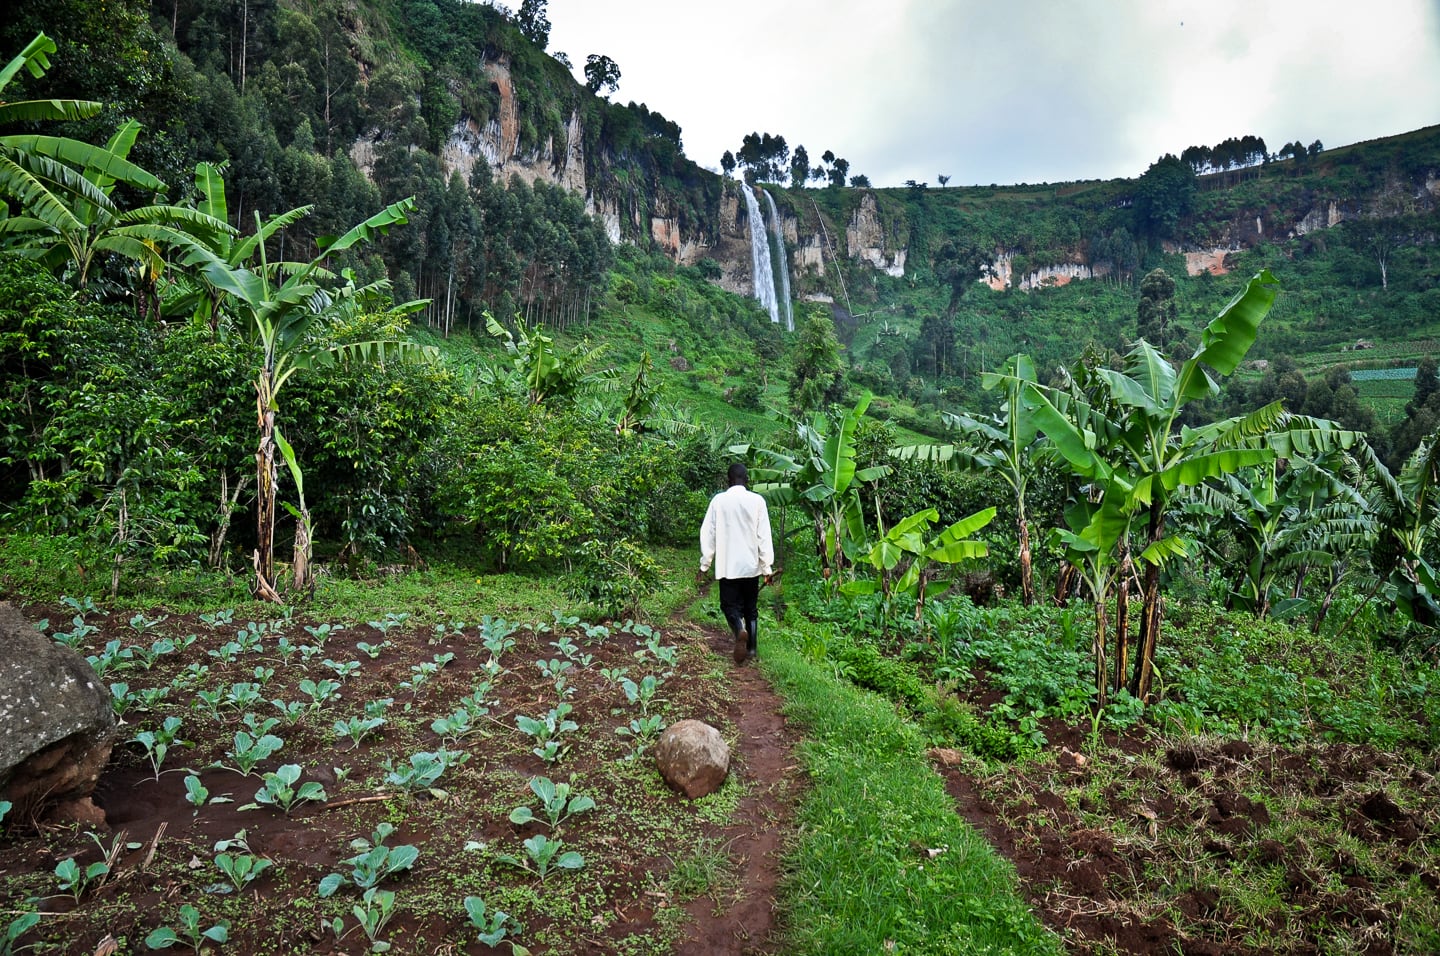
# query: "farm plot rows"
[[293, 787]]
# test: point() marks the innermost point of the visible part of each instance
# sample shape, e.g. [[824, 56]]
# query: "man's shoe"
[[742, 648]]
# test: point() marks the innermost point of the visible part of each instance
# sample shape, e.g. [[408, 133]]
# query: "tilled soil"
[[1129, 844], [1209, 847], [619, 901]]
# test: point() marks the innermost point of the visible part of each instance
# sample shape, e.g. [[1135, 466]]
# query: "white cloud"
[[1026, 91]]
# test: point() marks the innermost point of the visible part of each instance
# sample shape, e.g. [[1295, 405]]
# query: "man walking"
[[735, 537]]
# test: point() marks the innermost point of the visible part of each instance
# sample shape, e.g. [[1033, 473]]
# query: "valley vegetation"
[[1154, 518]]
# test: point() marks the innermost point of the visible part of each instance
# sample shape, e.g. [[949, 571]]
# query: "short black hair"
[[738, 474]]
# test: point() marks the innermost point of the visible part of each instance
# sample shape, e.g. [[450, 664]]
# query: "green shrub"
[[532, 483], [366, 436], [615, 576], [865, 666], [116, 429], [747, 396], [951, 721]]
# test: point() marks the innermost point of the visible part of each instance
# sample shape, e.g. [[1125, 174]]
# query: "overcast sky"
[[1018, 91]]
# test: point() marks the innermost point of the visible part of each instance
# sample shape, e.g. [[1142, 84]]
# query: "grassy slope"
[[1332, 284]]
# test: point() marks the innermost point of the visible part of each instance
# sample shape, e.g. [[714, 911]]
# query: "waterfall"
[[760, 263], [782, 265]]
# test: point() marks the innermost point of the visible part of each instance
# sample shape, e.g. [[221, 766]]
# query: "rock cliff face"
[[866, 233], [667, 234], [809, 256], [1207, 260], [865, 239], [1324, 216], [560, 164], [1242, 230], [1003, 274], [727, 241], [732, 246]]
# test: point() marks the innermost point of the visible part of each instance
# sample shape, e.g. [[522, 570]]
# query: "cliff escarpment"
[[346, 106]]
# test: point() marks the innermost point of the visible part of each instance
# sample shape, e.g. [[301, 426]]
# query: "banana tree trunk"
[[304, 578], [1337, 574], [121, 536], [1027, 572], [1122, 619], [1064, 584], [920, 600], [1101, 634], [265, 493], [1150, 613]]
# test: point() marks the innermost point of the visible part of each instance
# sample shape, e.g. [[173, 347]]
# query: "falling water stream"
[[760, 262], [781, 264]]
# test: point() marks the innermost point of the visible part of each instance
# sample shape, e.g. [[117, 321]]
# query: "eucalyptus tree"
[[1157, 316], [283, 305]]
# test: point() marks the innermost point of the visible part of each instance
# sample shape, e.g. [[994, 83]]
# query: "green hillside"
[[334, 111]]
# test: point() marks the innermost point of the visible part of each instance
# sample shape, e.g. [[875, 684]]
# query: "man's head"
[[738, 475]]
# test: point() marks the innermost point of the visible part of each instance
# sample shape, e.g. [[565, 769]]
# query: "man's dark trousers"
[[738, 599]]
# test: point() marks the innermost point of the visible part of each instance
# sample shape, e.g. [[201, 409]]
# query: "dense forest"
[[282, 94]]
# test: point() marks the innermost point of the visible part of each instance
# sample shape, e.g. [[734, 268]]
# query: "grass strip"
[[862, 878]]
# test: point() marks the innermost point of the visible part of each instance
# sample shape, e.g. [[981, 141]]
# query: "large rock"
[[57, 720], [693, 758]]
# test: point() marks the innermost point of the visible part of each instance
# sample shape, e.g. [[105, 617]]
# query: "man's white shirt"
[[735, 535]]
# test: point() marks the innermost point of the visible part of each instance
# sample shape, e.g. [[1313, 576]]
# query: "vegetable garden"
[[287, 787]]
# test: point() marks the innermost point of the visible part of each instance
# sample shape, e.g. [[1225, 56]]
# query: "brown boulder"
[[58, 721], [693, 758]]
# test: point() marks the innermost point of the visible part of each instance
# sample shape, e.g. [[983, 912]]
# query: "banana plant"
[[549, 374], [1407, 512], [189, 292], [1288, 517], [1092, 545], [304, 530], [64, 188], [642, 396], [70, 237], [40, 172], [1003, 444], [1081, 425], [282, 304], [824, 480], [1148, 455], [909, 548]]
